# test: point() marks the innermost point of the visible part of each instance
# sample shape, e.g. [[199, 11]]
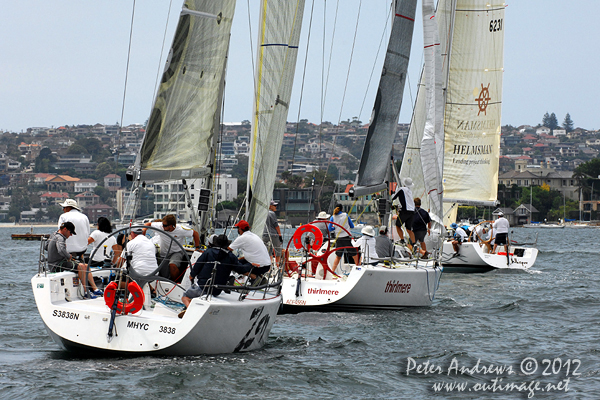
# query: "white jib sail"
[[279, 34], [426, 153], [179, 135], [473, 103], [432, 143]]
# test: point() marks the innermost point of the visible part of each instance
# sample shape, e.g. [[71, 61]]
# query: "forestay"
[[179, 141], [279, 34], [375, 159]]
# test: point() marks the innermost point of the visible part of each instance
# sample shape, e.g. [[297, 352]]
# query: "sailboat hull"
[[472, 258], [222, 324], [365, 287]]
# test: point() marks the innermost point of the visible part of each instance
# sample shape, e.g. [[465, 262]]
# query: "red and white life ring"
[[308, 228], [130, 308]]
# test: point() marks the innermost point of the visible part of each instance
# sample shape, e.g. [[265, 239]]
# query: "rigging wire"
[[383, 35], [350, 62]]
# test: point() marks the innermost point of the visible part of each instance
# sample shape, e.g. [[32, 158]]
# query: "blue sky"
[[64, 61]]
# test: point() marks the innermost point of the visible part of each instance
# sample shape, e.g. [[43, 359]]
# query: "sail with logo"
[[474, 104], [471, 43]]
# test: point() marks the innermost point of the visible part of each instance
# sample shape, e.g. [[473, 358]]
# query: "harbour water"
[[500, 328]]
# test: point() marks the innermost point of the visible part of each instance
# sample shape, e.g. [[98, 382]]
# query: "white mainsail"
[[180, 136], [375, 159], [279, 35]]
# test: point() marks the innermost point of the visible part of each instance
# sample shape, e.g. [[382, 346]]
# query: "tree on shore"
[[568, 123]]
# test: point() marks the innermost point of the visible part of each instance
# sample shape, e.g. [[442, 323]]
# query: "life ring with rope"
[[314, 259], [130, 308], [306, 229]]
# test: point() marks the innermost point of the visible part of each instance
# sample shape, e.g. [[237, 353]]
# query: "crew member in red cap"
[[254, 249]]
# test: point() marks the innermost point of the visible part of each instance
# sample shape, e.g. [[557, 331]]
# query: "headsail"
[[179, 141], [432, 143], [375, 159], [424, 151], [473, 103], [279, 35]]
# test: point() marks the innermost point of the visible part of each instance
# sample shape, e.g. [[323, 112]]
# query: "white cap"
[[368, 230], [323, 215], [70, 203]]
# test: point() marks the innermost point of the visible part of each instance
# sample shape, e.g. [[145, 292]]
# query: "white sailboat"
[[472, 43], [396, 283], [180, 143]]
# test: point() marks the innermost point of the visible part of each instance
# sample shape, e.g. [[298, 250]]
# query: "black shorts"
[[420, 235], [345, 241], [501, 239], [406, 218]]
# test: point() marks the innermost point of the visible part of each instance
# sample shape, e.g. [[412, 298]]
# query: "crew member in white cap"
[[368, 247], [77, 244]]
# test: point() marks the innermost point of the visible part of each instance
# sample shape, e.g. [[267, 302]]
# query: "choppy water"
[[497, 318]]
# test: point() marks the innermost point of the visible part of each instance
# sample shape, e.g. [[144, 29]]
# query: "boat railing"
[[42, 258]]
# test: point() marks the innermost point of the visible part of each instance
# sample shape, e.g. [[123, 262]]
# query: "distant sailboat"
[[397, 283], [472, 43]]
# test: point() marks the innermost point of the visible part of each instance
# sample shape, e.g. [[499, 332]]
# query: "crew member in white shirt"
[[367, 245], [253, 247], [501, 227], [460, 235], [169, 224], [142, 250], [77, 244]]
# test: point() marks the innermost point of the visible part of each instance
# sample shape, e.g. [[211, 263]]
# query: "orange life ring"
[[308, 228], [133, 288]]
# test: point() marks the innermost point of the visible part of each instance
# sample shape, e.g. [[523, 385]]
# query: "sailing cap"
[[454, 225], [323, 215], [500, 214], [274, 203], [407, 182], [244, 225], [138, 230], [70, 203], [211, 239], [368, 230], [383, 229], [70, 227]]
